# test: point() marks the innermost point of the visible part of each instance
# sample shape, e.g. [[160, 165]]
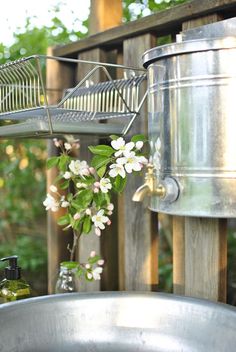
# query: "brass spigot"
[[150, 187]]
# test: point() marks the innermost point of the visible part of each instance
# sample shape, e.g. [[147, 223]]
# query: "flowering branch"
[[89, 206]]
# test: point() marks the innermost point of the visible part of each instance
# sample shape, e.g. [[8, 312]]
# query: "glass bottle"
[[66, 282]]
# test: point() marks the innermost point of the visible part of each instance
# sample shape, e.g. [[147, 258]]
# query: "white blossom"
[[121, 147], [87, 266], [100, 261], [117, 169], [142, 160], [99, 219], [51, 203], [105, 184], [65, 204], [96, 273], [67, 175], [78, 167], [130, 162], [67, 146]]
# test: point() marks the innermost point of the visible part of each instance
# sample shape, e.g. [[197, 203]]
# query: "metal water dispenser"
[[192, 122]]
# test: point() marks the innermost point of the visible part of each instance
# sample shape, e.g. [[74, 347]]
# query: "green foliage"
[[133, 10], [32, 254], [102, 150]]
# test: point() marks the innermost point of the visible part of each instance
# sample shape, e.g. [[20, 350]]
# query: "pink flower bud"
[[109, 222], [53, 188], [86, 172], [87, 266], [96, 190], [92, 254], [76, 145], [76, 216], [110, 207], [97, 231], [92, 170], [88, 211], [139, 144], [56, 142], [110, 213], [96, 184], [100, 261]]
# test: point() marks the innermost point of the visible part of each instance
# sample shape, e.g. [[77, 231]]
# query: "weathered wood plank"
[[162, 23], [91, 241], [137, 223], [178, 225], [205, 258], [59, 76]]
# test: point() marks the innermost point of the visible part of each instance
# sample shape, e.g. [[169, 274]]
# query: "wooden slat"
[[203, 245], [101, 20], [162, 23], [91, 241], [178, 255], [59, 76], [137, 223]]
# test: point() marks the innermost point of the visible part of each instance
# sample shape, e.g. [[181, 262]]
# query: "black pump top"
[[12, 272]]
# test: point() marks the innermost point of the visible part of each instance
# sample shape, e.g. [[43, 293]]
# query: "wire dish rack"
[[107, 107]]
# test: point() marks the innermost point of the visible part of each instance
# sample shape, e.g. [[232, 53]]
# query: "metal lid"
[[186, 47]]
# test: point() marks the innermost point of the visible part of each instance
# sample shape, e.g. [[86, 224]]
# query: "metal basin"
[[116, 321]]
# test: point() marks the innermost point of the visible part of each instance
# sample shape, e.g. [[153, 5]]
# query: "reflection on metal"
[[117, 321], [167, 190], [150, 187], [25, 111], [191, 97]]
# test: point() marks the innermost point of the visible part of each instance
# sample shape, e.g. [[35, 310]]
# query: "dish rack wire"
[[107, 107]]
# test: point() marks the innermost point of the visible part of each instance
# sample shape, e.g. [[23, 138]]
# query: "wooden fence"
[[130, 247]]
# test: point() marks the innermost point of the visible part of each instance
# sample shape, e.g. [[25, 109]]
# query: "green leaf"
[[69, 197], [94, 259], [53, 161], [138, 137], [84, 198], [104, 150], [101, 171], [64, 220], [119, 183], [75, 205], [69, 265], [99, 161], [63, 160], [65, 184], [58, 178], [87, 225], [114, 137]]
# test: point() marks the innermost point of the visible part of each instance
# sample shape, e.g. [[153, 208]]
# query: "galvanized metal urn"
[[192, 122]]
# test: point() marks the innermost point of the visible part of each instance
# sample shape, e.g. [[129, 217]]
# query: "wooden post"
[[138, 226], [101, 18], [59, 77], [200, 244]]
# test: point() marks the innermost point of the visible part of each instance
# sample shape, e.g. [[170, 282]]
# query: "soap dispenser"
[[13, 287]]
